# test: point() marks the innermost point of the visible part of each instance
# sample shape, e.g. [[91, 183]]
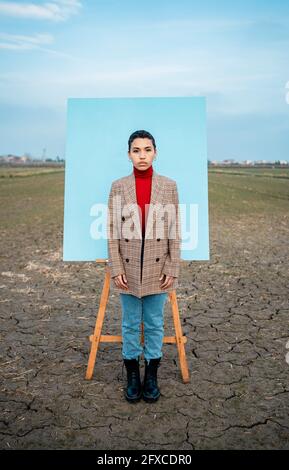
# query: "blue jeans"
[[150, 310]]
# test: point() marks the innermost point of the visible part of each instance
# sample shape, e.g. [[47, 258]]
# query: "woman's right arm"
[[114, 259]]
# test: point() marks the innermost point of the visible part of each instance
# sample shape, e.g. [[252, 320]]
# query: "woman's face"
[[142, 153]]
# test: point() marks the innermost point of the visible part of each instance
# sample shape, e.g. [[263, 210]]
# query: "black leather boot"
[[151, 391], [133, 390]]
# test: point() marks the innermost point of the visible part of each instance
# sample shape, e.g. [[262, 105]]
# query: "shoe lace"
[[134, 373], [151, 377], [151, 380]]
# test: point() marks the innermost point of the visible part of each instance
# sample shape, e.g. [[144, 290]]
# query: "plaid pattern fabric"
[[162, 235]]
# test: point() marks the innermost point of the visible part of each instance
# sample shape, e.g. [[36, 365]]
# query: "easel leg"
[[98, 326], [179, 337], [97, 337]]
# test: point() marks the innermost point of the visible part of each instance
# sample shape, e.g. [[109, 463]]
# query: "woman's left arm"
[[172, 263]]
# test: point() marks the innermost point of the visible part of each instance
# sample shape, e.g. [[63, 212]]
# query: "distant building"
[[25, 159], [228, 161], [261, 162], [250, 163], [15, 159]]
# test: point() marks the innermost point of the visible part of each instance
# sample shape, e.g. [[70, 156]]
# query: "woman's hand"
[[167, 281], [120, 281]]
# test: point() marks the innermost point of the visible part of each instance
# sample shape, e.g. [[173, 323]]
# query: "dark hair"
[[140, 134]]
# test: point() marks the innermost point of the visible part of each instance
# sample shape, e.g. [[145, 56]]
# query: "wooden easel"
[[97, 337]]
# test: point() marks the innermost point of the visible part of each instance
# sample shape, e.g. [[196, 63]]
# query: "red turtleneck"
[[143, 184]]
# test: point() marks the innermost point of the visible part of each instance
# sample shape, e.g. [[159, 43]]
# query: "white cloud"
[[22, 42], [19, 42], [56, 10], [36, 39]]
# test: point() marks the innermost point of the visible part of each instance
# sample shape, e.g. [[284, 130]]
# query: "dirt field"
[[234, 311]]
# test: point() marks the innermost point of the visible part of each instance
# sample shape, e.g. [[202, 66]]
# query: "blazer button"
[[127, 260], [123, 218], [126, 239], [157, 259], [158, 239]]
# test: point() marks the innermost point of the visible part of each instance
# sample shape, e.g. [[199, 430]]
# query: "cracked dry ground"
[[234, 312]]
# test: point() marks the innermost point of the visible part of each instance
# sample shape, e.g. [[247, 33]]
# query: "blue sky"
[[234, 53]]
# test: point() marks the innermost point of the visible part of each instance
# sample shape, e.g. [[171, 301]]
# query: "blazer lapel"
[[156, 198]]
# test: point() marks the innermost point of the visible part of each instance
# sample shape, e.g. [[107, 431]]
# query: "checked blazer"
[[161, 249]]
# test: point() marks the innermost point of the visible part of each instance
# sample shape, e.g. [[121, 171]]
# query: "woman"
[[144, 259]]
